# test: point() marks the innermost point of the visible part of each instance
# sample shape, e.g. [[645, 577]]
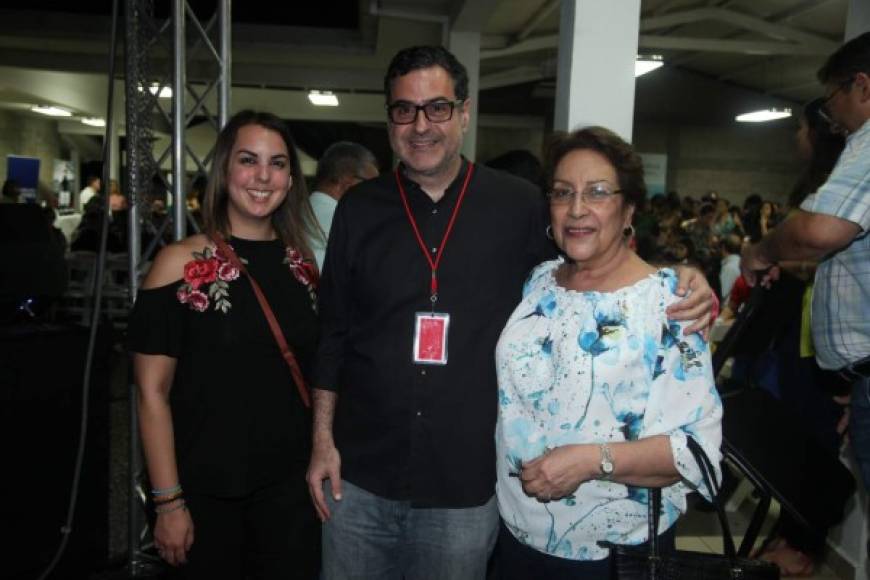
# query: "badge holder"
[[430, 338]]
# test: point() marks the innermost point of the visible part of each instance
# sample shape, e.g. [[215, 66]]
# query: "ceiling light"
[[645, 64], [323, 98], [165, 90], [51, 111], [763, 115], [94, 121]]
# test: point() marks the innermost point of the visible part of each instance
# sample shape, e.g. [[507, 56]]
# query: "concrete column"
[[595, 74], [857, 19], [466, 46]]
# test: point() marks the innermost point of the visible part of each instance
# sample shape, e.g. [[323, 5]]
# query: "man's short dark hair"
[[707, 209], [343, 158], [732, 243], [420, 57], [847, 61]]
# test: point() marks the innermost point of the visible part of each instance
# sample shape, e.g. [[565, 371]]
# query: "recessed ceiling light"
[[763, 115], [645, 64], [51, 111], [94, 121], [323, 98]]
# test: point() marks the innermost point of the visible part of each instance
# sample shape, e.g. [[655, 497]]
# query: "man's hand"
[[325, 464], [753, 263], [697, 306]]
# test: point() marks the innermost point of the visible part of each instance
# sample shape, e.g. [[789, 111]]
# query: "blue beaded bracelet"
[[166, 491]]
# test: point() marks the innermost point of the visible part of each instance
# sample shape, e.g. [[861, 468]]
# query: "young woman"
[[224, 426]]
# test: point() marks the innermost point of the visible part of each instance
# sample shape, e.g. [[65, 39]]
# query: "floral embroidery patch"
[[206, 280], [305, 272]]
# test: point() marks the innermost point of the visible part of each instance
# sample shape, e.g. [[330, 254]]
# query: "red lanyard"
[[434, 263]]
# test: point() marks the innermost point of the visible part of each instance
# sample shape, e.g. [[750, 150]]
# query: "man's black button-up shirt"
[[423, 433]]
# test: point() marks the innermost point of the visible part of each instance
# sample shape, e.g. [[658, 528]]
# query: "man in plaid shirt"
[[832, 227]]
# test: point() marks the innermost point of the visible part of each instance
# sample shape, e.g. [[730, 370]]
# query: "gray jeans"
[[372, 538]]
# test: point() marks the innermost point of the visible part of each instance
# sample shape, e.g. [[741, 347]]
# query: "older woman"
[[599, 391], [225, 432]]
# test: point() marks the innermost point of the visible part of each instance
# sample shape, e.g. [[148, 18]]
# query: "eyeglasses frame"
[[453, 104]]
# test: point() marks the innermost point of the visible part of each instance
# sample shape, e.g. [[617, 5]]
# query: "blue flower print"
[[608, 326]]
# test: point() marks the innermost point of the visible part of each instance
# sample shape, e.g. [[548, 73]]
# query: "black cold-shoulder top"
[[238, 420]]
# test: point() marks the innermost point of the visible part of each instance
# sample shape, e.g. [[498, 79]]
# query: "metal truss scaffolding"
[[185, 63]]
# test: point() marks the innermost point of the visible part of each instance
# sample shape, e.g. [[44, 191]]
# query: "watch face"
[[607, 467]]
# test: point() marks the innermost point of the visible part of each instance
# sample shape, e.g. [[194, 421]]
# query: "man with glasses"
[[342, 165], [832, 226], [423, 268]]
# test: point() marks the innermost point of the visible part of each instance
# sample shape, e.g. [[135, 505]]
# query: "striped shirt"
[[841, 303]]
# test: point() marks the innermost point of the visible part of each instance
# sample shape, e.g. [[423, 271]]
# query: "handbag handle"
[[286, 352], [708, 476]]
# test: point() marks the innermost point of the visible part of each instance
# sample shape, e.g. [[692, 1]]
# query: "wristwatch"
[[606, 466]]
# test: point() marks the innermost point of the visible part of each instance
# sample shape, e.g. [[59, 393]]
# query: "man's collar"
[[863, 130], [451, 190]]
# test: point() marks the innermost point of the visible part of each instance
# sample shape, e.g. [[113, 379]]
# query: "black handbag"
[[647, 563]]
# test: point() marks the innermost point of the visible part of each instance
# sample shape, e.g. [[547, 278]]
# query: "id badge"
[[430, 338]]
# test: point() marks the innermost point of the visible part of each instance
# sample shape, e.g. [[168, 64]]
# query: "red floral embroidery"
[[227, 272], [199, 272], [206, 279], [198, 301], [305, 271]]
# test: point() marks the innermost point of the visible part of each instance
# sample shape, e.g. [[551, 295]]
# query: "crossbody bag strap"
[[654, 503], [286, 352]]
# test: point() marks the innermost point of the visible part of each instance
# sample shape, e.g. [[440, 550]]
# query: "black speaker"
[[41, 371]]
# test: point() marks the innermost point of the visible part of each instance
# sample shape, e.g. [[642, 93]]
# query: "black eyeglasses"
[[405, 113], [824, 112]]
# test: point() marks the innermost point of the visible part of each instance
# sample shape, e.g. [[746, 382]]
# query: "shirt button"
[[435, 211], [434, 250], [419, 413], [423, 372]]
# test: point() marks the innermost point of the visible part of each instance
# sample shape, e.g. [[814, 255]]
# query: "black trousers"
[[268, 534], [516, 561]]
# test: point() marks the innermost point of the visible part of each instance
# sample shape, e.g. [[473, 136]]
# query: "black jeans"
[[270, 533]]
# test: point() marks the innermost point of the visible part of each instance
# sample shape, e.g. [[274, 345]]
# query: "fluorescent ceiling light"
[[645, 64], [51, 111], [94, 121], [165, 91], [323, 98], [764, 115]]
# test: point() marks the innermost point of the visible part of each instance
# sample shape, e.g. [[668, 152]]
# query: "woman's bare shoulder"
[[169, 264]]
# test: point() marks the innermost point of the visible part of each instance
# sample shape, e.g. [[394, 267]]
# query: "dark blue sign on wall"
[[24, 170]]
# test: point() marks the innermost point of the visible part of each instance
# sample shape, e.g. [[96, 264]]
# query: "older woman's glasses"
[[594, 194], [405, 113]]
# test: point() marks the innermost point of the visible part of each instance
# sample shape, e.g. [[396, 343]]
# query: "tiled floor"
[[700, 532]]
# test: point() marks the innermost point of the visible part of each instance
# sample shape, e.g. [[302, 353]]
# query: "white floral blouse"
[[588, 367]]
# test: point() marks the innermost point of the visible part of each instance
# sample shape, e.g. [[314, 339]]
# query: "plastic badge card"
[[430, 338]]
